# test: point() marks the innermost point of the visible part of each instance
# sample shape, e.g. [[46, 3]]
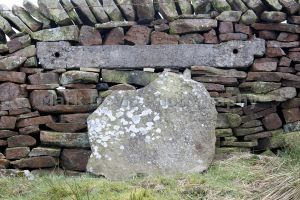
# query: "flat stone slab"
[[233, 54]]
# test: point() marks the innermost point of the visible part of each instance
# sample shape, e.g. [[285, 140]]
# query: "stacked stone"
[[43, 112]]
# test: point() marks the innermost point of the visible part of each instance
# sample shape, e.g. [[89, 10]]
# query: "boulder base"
[[167, 127]]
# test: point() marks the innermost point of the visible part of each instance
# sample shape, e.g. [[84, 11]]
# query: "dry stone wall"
[[43, 111]]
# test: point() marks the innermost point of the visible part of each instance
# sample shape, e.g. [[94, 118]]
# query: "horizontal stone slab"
[[233, 54]]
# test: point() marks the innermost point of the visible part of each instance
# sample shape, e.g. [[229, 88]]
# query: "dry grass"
[[243, 176]]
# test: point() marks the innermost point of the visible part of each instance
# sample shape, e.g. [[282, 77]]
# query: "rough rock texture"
[[233, 54], [136, 132]]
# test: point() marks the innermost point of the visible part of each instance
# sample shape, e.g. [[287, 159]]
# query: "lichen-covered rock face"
[[165, 128]]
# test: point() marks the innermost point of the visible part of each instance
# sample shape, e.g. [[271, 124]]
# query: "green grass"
[[240, 177]]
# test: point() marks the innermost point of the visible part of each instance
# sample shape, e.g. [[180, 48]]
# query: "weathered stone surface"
[[274, 52], [278, 95], [251, 124], [89, 36], [20, 12], [167, 9], [291, 115], [274, 4], [112, 10], [287, 37], [211, 37], [11, 62], [272, 121], [28, 130], [79, 96], [35, 162], [127, 9], [43, 78], [226, 81], [291, 6], [70, 77], [201, 6], [66, 109], [43, 97], [192, 38], [144, 10], [17, 22], [293, 20], [18, 43], [221, 5], [115, 37], [7, 122], [282, 44], [295, 56], [6, 27], [241, 28], [18, 111], [35, 12], [107, 56], [259, 87], [267, 35], [70, 9], [181, 26], [44, 151], [6, 134], [16, 153], [230, 16], [232, 36], [67, 127], [4, 164], [264, 76], [69, 140], [69, 33], [237, 5], [226, 27], [249, 17], [277, 27], [228, 120], [35, 121], [185, 7], [75, 159], [156, 119], [273, 16], [239, 144], [21, 141], [293, 103], [291, 127], [29, 115], [264, 65], [115, 24], [3, 143], [247, 131], [84, 11], [26, 52], [97, 10], [130, 77], [10, 91], [138, 35], [163, 38], [205, 70], [74, 118], [224, 132], [53, 10], [15, 104]]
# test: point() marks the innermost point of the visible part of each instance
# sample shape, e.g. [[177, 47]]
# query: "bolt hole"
[[57, 54], [235, 51]]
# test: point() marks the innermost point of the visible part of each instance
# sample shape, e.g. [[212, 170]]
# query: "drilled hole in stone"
[[57, 54], [235, 51]]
